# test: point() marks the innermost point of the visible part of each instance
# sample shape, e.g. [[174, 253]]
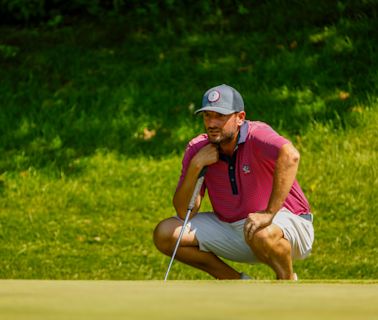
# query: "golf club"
[[196, 191]]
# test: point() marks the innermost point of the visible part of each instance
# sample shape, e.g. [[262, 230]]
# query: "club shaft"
[[192, 202]]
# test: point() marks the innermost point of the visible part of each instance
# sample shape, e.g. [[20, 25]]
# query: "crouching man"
[[260, 214]]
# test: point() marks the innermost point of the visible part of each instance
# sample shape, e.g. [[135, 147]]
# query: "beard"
[[221, 138]]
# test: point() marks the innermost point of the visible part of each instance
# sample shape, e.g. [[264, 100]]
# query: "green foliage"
[[7, 51], [22, 10], [224, 15], [95, 116]]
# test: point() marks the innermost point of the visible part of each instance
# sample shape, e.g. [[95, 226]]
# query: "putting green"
[[29, 299]]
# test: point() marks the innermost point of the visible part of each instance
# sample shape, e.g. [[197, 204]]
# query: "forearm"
[[185, 191], [284, 176]]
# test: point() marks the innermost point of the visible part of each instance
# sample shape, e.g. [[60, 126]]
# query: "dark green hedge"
[[40, 10], [227, 13]]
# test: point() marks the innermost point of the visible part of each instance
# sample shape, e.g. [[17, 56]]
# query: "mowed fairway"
[[29, 299]]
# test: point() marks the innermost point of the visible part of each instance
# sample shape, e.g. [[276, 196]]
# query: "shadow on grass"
[[69, 92]]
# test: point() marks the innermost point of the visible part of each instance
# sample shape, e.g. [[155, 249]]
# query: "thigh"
[[298, 231], [170, 229], [223, 239]]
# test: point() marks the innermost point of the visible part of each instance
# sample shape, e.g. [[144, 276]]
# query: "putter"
[[196, 191]]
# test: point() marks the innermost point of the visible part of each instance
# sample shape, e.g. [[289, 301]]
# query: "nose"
[[211, 121]]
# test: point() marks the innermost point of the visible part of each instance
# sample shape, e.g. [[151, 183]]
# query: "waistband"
[[307, 216]]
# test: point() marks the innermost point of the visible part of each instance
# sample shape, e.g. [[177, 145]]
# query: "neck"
[[228, 148]]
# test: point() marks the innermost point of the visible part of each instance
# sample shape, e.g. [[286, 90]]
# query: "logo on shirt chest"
[[246, 169]]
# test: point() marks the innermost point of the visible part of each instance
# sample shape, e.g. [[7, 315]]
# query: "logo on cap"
[[213, 96]]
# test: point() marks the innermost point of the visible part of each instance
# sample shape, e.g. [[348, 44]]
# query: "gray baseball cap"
[[222, 99]]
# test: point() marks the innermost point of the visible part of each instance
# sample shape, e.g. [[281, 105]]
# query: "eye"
[[218, 116], [222, 116]]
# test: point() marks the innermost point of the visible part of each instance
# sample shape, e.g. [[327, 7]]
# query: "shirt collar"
[[243, 132]]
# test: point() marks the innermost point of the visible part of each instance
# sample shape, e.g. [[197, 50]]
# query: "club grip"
[[197, 188], [202, 172]]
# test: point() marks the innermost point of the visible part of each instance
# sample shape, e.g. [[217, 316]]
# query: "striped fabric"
[[256, 152]]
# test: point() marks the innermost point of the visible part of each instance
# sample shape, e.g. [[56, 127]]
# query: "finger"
[[215, 149], [255, 226], [247, 226], [250, 230]]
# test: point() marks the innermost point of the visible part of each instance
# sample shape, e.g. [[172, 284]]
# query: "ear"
[[240, 117]]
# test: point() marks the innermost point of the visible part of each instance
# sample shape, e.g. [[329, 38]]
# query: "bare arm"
[[284, 176], [206, 156]]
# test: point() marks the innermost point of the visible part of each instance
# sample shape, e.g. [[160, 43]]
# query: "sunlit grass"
[[97, 221], [94, 121]]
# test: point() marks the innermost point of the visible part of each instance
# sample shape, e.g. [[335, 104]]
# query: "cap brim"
[[215, 109]]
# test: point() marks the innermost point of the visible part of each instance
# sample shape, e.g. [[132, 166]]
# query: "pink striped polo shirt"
[[242, 184]]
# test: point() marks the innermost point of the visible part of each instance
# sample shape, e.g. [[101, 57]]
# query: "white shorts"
[[226, 240]]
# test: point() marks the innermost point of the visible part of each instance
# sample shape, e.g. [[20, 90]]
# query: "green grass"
[[95, 117], [186, 300]]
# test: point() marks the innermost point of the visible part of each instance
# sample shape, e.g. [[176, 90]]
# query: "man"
[[260, 212]]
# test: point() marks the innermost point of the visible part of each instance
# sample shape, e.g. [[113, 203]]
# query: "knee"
[[268, 241], [163, 236], [261, 241]]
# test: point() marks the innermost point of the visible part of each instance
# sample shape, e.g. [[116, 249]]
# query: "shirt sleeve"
[[188, 155], [268, 142], [190, 151]]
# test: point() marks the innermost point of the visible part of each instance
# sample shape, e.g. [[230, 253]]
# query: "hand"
[[208, 155], [256, 221]]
